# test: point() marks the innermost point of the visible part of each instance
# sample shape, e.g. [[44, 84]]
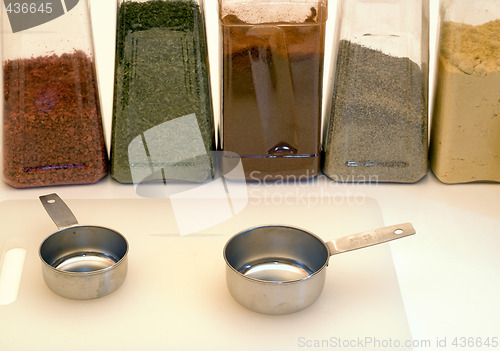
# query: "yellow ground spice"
[[465, 137]]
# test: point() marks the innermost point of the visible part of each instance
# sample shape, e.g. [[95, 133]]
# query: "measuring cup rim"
[[82, 274], [273, 282]]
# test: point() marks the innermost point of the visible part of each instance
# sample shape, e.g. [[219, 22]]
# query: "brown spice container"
[[272, 78]]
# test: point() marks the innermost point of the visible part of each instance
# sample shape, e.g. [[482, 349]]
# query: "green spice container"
[[465, 134], [272, 59], [377, 131], [162, 127], [52, 128]]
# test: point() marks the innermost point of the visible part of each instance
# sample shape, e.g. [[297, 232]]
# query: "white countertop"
[[448, 274]]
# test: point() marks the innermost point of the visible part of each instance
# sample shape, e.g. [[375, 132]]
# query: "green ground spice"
[[161, 74], [378, 125]]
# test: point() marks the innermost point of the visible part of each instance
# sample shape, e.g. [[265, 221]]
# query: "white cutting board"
[[175, 297]]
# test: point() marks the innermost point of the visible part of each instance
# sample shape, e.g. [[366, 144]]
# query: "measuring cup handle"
[[58, 211], [369, 238]]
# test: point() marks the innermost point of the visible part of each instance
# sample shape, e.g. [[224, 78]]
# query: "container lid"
[[277, 11]]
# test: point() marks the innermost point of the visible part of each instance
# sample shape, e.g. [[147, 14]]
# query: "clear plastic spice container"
[[162, 127], [272, 54], [465, 133], [377, 131], [52, 128]]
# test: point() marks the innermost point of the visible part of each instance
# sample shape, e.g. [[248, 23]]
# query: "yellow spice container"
[[465, 134]]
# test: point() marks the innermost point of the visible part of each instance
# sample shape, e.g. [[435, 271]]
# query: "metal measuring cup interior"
[[281, 269], [81, 261]]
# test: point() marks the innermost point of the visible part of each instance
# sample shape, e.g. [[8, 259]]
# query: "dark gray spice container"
[[378, 124], [377, 128]]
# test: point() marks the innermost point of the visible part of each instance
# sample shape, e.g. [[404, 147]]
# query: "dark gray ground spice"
[[161, 74], [378, 123], [52, 128]]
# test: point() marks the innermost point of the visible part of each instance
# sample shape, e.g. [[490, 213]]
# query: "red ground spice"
[[52, 128]]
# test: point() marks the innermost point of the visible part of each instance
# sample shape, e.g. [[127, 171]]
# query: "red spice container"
[[52, 127], [272, 54]]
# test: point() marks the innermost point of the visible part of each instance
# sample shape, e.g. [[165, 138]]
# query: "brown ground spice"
[[272, 96]]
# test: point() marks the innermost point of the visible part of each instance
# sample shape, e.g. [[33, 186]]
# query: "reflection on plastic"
[[160, 153], [10, 275], [156, 172]]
